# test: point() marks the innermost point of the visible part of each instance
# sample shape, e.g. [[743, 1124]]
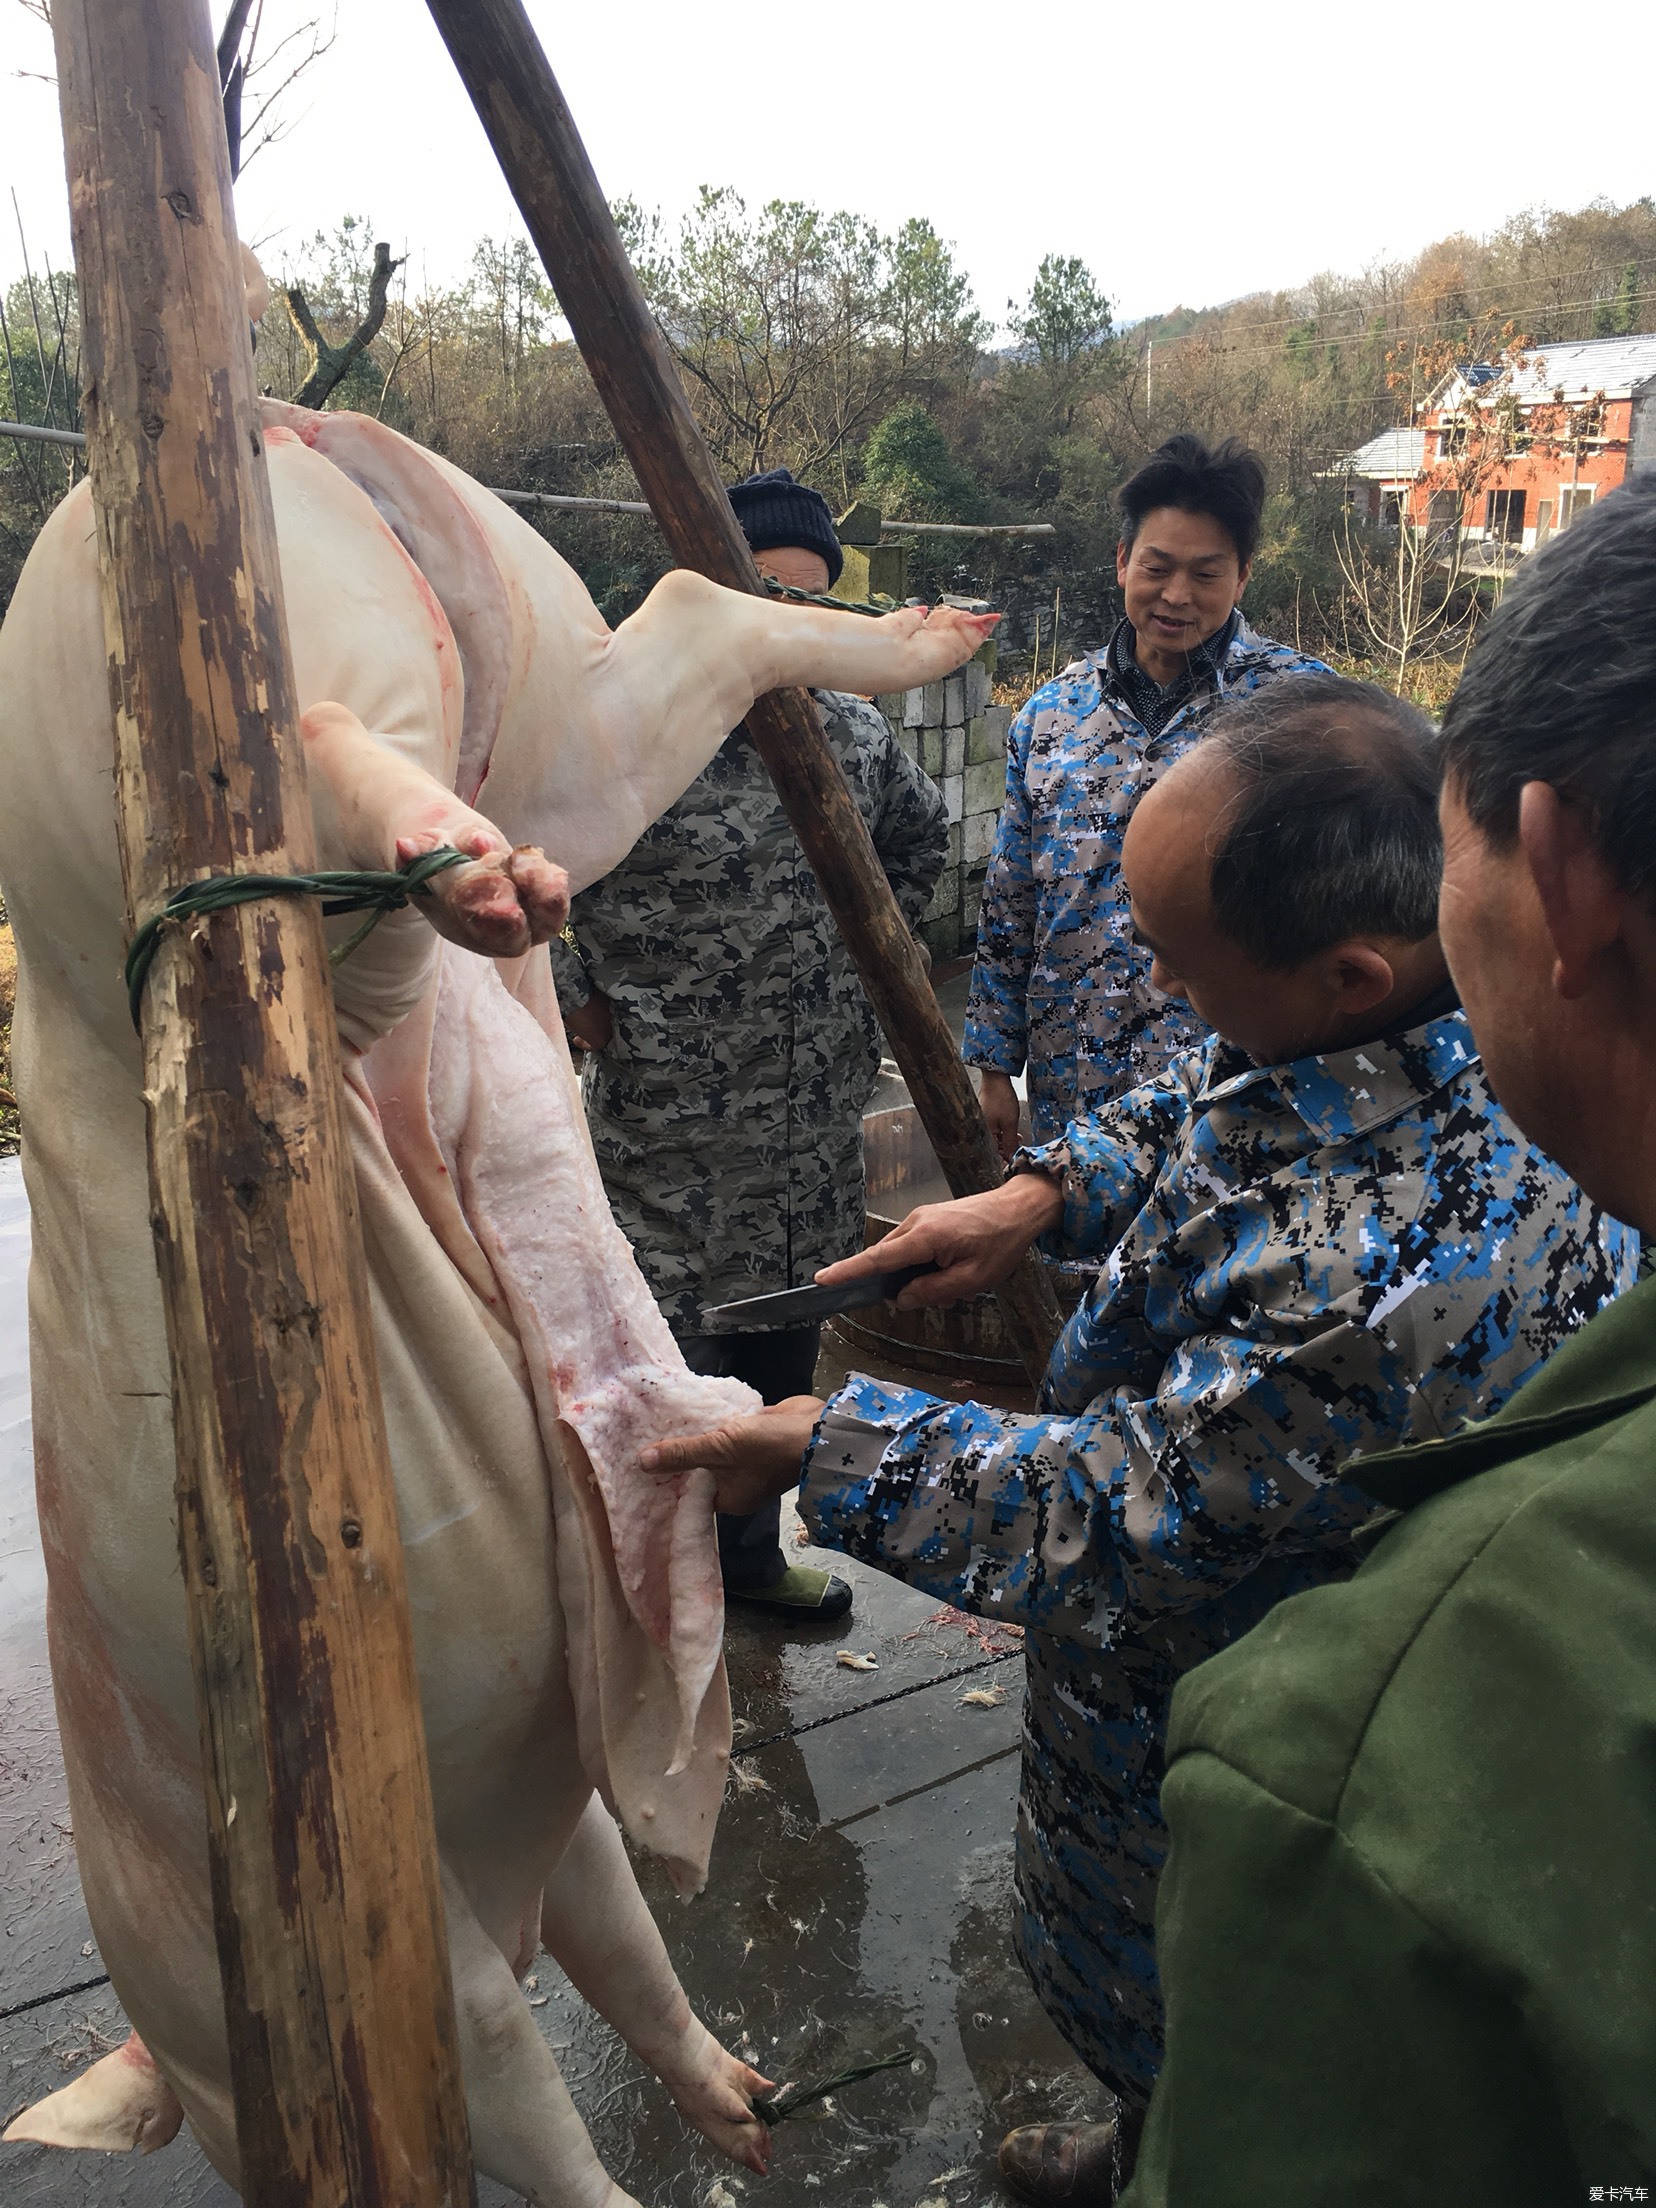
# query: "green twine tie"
[[790, 2100], [373, 893]]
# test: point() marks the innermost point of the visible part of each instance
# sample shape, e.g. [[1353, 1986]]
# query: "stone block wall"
[[959, 738]]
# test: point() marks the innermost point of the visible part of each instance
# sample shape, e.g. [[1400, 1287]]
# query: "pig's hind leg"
[[598, 1929], [697, 654]]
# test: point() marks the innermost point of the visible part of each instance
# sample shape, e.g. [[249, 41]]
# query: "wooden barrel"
[[957, 1350]]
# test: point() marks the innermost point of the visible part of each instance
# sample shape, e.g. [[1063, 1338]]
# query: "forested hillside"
[[863, 361]]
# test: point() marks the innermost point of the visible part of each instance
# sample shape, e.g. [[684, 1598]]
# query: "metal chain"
[[876, 607]]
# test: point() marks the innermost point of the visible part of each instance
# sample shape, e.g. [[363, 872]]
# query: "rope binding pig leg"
[[375, 893]]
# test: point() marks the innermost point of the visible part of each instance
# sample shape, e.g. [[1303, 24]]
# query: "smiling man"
[[1317, 1236], [1059, 984]]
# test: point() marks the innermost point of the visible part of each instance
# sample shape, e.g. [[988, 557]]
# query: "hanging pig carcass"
[[460, 688]]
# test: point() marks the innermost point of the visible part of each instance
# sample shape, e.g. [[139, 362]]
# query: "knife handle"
[[891, 1285]]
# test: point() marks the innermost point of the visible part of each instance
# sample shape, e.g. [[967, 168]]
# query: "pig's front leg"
[[524, 2127], [501, 902], [597, 1928]]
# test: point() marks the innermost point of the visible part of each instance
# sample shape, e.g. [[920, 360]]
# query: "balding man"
[[1317, 1235], [1408, 1935]]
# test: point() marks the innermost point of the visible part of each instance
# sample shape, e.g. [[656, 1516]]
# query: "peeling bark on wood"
[[324, 1868], [538, 146]]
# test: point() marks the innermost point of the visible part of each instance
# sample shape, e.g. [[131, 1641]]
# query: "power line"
[[1446, 324]]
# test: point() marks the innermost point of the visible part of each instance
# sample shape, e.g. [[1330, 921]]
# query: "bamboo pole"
[[324, 1872], [539, 148]]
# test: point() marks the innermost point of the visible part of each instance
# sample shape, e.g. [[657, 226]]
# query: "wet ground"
[[859, 1905]]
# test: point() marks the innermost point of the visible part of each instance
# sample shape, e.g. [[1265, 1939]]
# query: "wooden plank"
[[535, 139], [324, 1868]]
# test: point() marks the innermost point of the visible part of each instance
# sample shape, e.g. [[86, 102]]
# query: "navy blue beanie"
[[773, 509]]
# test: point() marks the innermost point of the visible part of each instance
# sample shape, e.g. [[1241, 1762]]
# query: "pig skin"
[[565, 1617]]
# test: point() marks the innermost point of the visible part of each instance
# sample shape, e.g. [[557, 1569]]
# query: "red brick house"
[[1517, 449]]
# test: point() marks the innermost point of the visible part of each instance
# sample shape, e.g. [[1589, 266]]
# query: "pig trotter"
[[502, 902], [390, 810]]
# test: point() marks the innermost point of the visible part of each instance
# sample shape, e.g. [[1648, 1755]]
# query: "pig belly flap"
[[646, 1624]]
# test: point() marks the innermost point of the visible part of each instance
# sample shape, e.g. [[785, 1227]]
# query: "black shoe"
[[1064, 2165], [800, 1593]]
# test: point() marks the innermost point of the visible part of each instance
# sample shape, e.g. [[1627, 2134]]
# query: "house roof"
[[1394, 456], [1614, 365], [1617, 366]]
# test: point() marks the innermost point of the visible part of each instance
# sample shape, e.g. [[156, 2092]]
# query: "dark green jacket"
[[1407, 1931]]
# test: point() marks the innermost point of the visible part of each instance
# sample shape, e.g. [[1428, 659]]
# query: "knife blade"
[[798, 1306]]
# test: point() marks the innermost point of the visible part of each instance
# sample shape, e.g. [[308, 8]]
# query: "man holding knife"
[[1317, 1235]]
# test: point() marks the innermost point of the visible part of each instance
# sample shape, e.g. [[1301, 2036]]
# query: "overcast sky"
[[1188, 154]]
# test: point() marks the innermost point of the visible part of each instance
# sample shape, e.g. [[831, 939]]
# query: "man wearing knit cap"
[[788, 525], [732, 1048]]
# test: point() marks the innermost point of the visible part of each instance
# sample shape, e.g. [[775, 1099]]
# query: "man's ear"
[[1242, 581], [1580, 902], [1358, 977], [1124, 553]]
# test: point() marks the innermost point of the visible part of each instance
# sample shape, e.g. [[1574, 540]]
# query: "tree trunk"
[[319, 1824]]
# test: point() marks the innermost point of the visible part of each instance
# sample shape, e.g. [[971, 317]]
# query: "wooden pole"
[[539, 148], [324, 1871]]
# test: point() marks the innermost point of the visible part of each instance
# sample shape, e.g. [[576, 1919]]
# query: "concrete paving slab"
[[859, 1904], [792, 1674]]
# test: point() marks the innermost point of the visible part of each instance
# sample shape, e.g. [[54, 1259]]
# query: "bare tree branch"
[[330, 364]]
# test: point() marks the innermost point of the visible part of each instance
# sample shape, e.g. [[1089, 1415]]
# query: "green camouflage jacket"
[[726, 1113]]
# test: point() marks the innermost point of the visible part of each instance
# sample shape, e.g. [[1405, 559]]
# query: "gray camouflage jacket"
[[727, 1111]]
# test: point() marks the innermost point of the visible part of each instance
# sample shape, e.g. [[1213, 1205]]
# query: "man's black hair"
[[1334, 831], [1561, 688], [1228, 484]]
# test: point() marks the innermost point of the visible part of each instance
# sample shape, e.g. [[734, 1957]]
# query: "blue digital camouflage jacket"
[[1059, 982], [1299, 1264]]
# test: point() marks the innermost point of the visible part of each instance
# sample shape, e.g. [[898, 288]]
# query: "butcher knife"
[[799, 1306]]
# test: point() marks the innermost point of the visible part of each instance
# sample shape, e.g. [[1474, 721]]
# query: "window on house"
[[1394, 506], [1505, 520], [1543, 522], [1452, 440], [1443, 513], [1573, 501]]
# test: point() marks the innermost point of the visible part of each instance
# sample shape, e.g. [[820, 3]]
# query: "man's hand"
[[751, 1459], [593, 1026], [975, 1242], [999, 1100]]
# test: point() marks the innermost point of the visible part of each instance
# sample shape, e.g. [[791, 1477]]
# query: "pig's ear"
[[255, 286]]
